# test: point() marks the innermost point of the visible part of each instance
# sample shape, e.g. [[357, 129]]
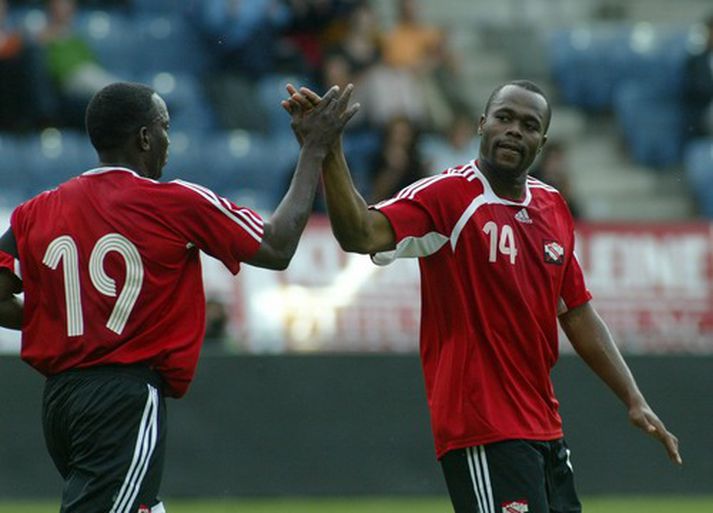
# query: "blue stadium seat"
[[14, 180], [652, 126], [590, 64], [170, 43], [235, 162], [698, 165], [114, 39]]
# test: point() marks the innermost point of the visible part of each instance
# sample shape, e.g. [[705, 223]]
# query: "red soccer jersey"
[[112, 275], [494, 276]]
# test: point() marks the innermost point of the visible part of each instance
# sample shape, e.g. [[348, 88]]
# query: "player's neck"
[[110, 159], [505, 184]]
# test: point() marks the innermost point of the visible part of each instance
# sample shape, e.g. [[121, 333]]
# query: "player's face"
[[513, 130], [160, 141]]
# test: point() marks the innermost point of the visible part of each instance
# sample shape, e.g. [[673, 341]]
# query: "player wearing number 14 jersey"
[[114, 310], [498, 271]]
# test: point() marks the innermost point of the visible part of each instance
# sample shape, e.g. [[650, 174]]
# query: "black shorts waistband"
[[139, 371]]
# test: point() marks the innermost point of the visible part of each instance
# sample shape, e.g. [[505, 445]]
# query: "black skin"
[[516, 120]]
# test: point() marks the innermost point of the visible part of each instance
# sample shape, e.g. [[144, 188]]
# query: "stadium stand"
[[616, 84]]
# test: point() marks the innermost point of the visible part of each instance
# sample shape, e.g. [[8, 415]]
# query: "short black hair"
[[116, 112], [527, 85]]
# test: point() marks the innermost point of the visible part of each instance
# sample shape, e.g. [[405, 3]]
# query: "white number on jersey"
[[65, 249], [504, 243]]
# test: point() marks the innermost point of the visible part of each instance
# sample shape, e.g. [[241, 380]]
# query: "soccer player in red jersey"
[[114, 308], [498, 270]]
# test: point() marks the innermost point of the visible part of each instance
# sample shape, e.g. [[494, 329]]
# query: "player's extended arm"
[[592, 340], [10, 306], [281, 233], [357, 228]]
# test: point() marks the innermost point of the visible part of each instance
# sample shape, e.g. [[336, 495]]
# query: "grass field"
[[387, 505]]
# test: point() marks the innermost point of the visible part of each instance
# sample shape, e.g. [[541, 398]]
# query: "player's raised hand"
[[645, 419], [302, 102], [318, 120]]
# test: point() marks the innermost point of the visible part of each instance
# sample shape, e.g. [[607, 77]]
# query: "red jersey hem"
[[475, 441]]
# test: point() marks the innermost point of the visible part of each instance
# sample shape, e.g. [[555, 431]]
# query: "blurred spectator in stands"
[[351, 58], [398, 161], [698, 87], [421, 50], [245, 37], [552, 167], [458, 145], [70, 61], [16, 102], [244, 33], [316, 26]]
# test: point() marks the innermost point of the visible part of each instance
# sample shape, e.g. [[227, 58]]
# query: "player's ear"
[[544, 140], [143, 139], [480, 124]]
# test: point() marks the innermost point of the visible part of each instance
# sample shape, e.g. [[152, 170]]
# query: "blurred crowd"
[[416, 117]]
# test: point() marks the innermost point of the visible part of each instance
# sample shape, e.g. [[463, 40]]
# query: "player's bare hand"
[[645, 419], [316, 119]]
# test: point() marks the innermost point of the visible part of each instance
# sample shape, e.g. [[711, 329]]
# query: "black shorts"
[[514, 476], [105, 429]]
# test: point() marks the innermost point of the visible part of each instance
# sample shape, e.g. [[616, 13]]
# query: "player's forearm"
[[290, 217], [348, 212], [11, 314], [592, 340]]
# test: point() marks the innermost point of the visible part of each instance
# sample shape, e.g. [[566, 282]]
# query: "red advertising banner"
[[653, 285]]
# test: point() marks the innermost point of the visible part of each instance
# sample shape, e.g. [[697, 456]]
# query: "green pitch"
[[387, 505]]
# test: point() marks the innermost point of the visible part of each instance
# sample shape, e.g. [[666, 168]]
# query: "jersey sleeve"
[[574, 290], [217, 226], [419, 218]]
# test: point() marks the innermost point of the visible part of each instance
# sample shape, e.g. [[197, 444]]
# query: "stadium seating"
[[634, 70], [652, 125]]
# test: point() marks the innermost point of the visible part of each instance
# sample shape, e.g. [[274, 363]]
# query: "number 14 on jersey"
[[502, 240]]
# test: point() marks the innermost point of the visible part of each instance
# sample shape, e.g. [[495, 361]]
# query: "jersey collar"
[[490, 195], [109, 169]]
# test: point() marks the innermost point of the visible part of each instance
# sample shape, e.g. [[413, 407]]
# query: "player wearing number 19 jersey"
[[114, 309], [115, 277]]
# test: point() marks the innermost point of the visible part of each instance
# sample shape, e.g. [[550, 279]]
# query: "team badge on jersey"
[[554, 252], [515, 507], [143, 508]]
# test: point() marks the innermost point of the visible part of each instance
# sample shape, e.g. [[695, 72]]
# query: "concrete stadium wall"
[[339, 425]]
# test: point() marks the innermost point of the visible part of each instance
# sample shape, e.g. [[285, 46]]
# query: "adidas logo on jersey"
[[523, 216]]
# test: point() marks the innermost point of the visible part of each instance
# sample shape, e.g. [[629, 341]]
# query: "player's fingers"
[[329, 96], [671, 443], [344, 98], [349, 114], [290, 89], [313, 97], [657, 429], [287, 106], [301, 101]]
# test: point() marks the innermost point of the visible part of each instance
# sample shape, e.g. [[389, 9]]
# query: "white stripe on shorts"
[[158, 508], [480, 476], [145, 445]]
